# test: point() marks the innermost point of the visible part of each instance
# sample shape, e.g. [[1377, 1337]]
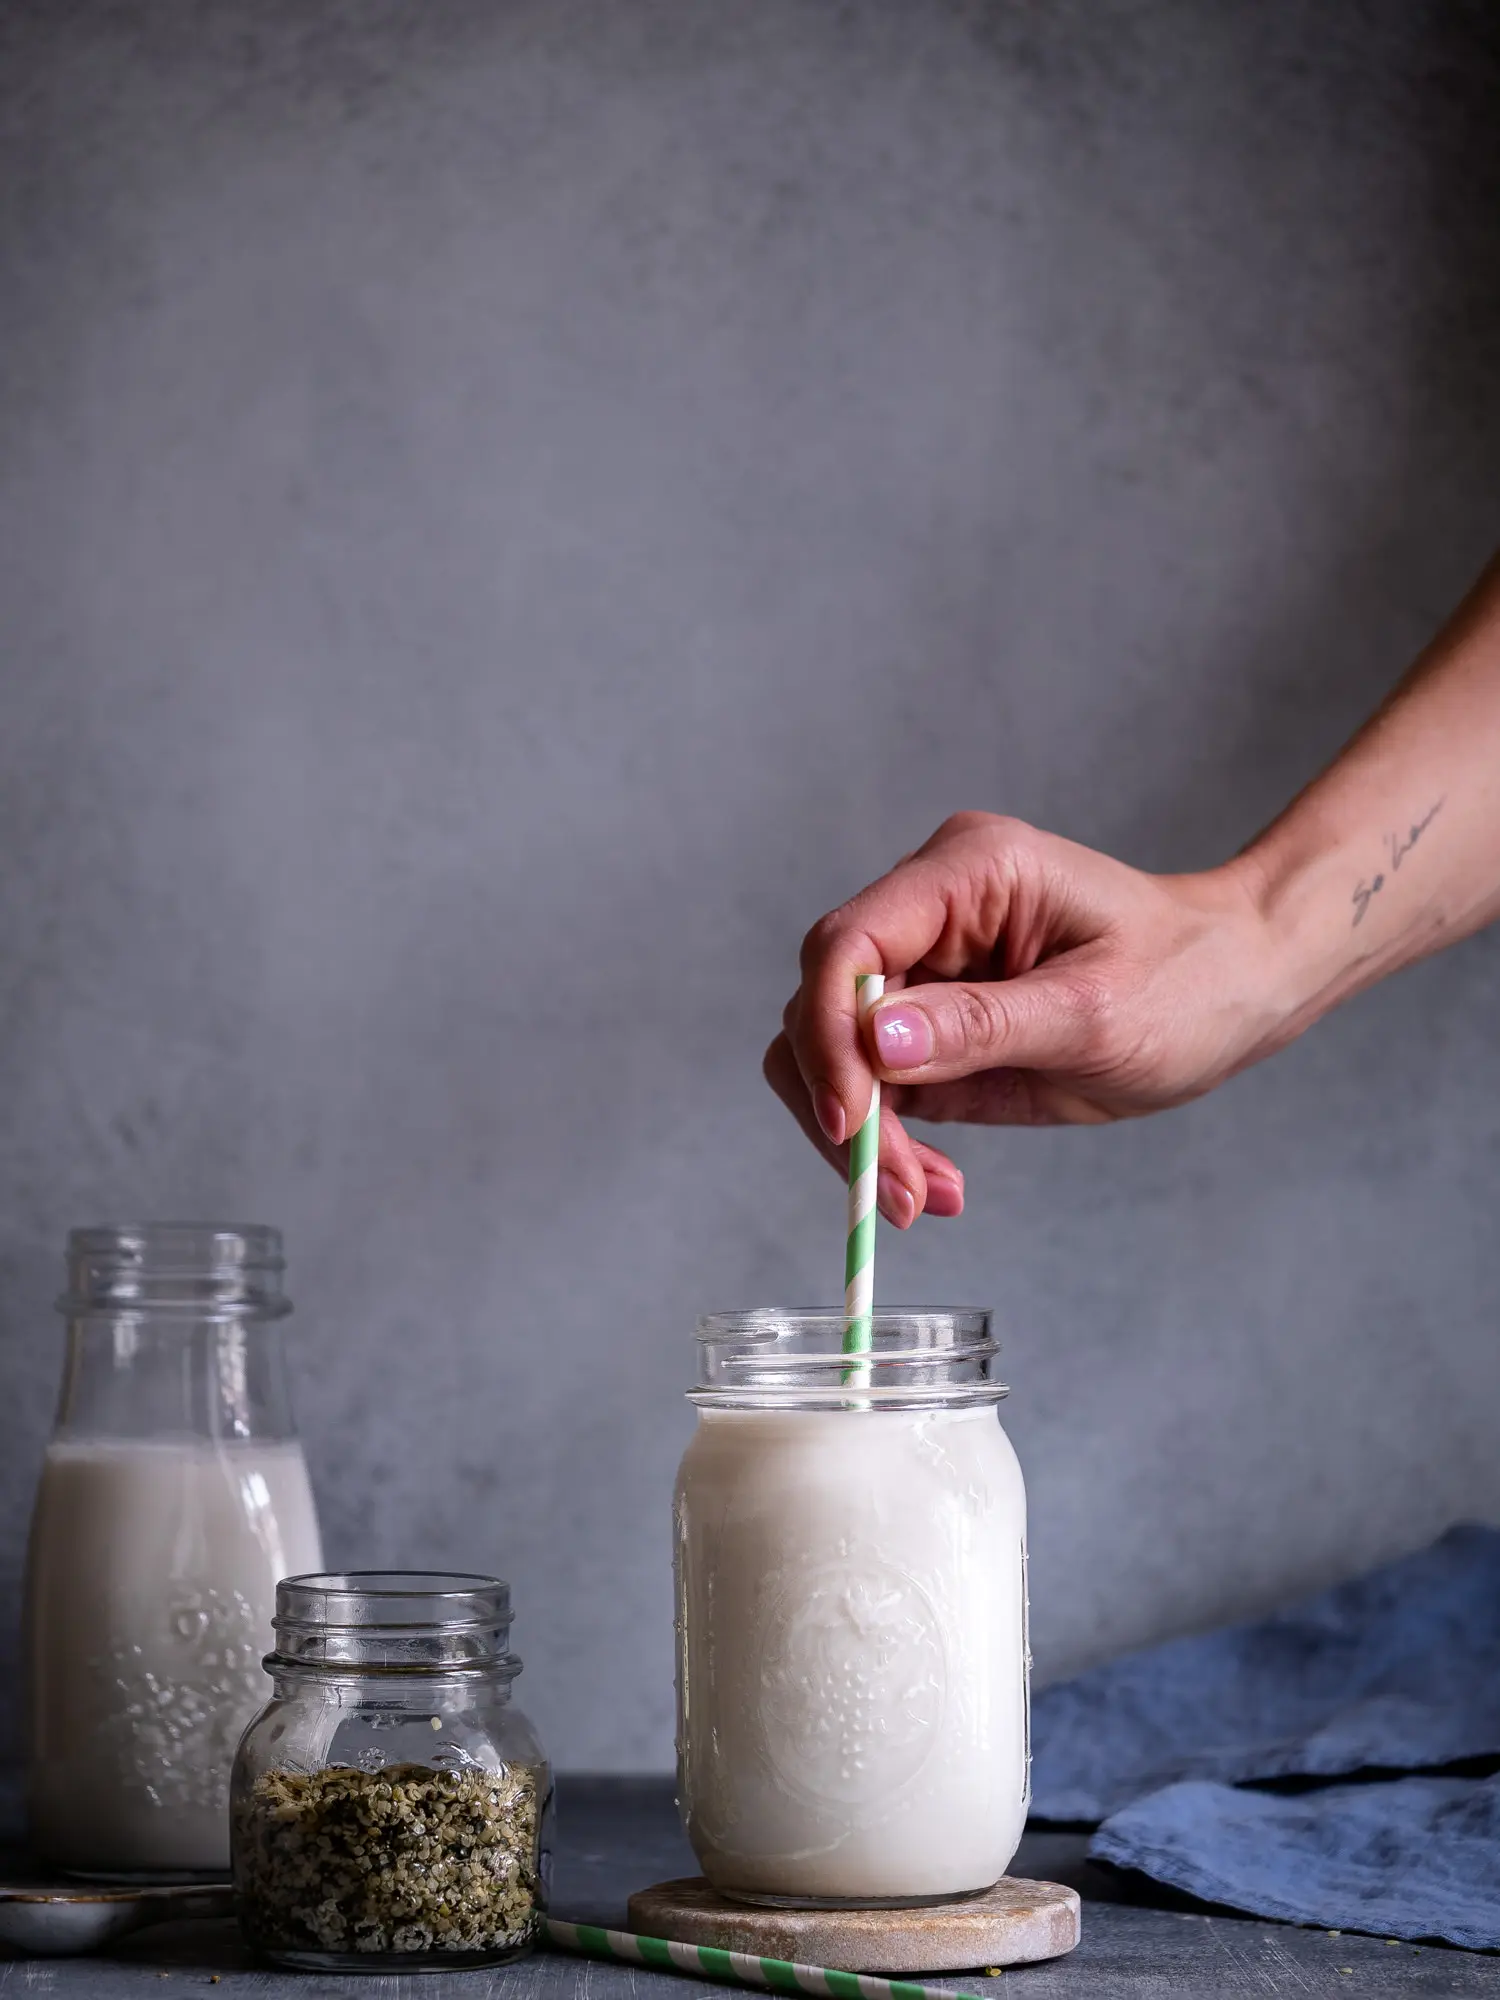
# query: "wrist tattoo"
[[1398, 846]]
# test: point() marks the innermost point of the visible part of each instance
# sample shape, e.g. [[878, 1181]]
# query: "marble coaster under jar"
[[1015, 1923]]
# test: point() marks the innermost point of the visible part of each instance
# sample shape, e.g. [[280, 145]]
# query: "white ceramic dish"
[[50, 1918]]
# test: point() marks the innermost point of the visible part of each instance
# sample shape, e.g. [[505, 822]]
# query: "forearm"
[[1394, 851]]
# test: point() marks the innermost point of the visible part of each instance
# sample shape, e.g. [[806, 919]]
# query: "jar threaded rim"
[[394, 1620]]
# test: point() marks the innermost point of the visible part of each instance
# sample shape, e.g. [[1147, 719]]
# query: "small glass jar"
[[173, 1495], [852, 1664], [391, 1806]]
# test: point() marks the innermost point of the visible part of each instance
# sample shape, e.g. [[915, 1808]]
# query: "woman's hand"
[[1028, 982], [1032, 982]]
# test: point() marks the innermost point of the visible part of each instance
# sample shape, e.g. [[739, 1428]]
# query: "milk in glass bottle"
[[851, 1612], [173, 1497]]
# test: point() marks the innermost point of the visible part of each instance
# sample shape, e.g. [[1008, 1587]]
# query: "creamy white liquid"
[[852, 1718], [152, 1587]]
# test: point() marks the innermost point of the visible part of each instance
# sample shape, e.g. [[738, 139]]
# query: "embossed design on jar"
[[172, 1736], [853, 1680]]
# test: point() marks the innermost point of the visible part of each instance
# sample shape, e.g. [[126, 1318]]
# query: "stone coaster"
[[1014, 1923]]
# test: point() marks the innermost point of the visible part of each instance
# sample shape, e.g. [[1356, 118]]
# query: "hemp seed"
[[402, 1860]]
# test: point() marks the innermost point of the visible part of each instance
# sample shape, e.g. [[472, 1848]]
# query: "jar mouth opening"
[[914, 1357], [368, 1584], [411, 1621], [207, 1270], [766, 1323]]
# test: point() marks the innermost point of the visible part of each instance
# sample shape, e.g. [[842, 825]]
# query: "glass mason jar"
[[173, 1495], [391, 1808], [852, 1698]]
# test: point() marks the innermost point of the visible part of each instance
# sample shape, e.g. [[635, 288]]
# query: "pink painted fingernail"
[[903, 1037], [829, 1114], [895, 1200]]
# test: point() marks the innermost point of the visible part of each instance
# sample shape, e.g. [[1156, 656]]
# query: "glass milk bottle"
[[851, 1612], [173, 1497]]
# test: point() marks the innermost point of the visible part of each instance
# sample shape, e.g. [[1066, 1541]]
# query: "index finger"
[[889, 927]]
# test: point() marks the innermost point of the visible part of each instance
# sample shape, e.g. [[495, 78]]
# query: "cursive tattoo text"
[[1401, 846], [1398, 846]]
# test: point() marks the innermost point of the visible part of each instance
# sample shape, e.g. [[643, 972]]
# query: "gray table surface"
[[616, 1835]]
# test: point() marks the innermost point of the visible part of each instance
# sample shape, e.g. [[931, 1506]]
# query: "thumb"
[[1049, 1019]]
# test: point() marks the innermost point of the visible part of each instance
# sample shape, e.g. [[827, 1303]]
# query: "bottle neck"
[[203, 1270], [174, 1331], [132, 1375]]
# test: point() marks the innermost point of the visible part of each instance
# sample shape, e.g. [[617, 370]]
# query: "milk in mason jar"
[[852, 1651]]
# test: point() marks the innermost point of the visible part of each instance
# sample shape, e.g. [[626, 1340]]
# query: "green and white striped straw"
[[738, 1968], [864, 1165]]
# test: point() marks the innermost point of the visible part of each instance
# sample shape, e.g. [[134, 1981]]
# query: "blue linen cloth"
[[1407, 1858], [1398, 1670]]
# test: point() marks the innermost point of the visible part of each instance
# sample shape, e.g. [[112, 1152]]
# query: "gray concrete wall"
[[508, 511]]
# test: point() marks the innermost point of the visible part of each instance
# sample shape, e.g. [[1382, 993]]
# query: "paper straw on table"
[[864, 1166], [738, 1968]]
